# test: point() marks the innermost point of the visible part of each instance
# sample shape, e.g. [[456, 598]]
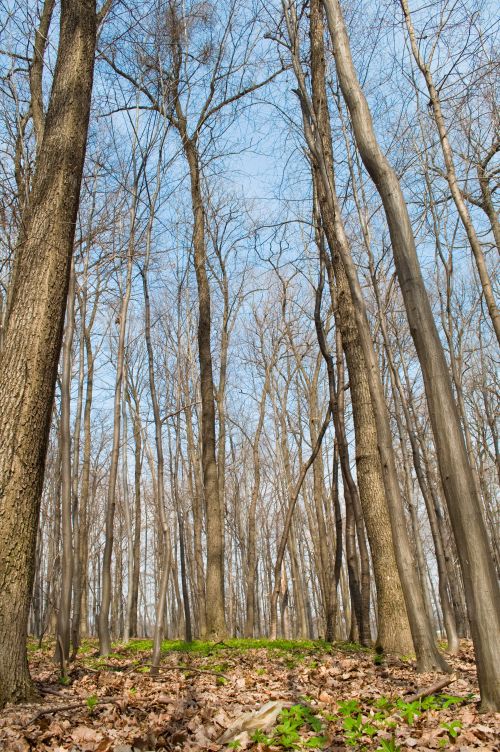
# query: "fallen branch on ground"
[[427, 691], [70, 706], [190, 669]]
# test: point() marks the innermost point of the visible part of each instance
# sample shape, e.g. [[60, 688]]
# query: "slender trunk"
[[64, 610], [481, 586], [251, 559], [160, 465], [353, 572], [292, 500], [77, 561], [103, 617], [136, 548], [197, 521], [127, 515], [325, 556], [216, 626], [80, 609], [451, 175], [337, 565]]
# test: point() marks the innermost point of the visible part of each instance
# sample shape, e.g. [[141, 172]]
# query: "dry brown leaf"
[[262, 719], [85, 734]]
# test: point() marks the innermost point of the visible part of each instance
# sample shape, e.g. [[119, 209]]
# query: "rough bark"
[[33, 332], [394, 633]]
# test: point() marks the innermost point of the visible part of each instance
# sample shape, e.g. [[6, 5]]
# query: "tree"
[[481, 585], [33, 331], [451, 174], [164, 80], [427, 654], [394, 632]]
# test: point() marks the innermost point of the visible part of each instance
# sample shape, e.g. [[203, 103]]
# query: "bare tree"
[[33, 332], [481, 585]]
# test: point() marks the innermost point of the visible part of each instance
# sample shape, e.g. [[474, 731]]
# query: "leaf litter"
[[271, 699]]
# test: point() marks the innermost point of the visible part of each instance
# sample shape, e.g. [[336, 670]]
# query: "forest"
[[249, 386]]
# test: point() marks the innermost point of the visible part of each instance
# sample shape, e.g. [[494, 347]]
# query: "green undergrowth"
[[203, 648], [291, 653], [213, 655], [298, 728], [363, 725]]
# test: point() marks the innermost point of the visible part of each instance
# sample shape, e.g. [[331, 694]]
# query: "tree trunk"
[[33, 333], [160, 468], [136, 549], [80, 610], [64, 610], [251, 560], [481, 586], [216, 626], [103, 618], [394, 632], [428, 656]]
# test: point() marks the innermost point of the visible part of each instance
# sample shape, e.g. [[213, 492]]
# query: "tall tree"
[[428, 656], [33, 331], [451, 173], [394, 634], [481, 585]]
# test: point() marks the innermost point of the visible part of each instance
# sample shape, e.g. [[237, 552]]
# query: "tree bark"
[[64, 610], [216, 626], [394, 631], [481, 586], [33, 332]]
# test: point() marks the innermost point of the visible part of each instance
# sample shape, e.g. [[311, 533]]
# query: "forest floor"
[[250, 695]]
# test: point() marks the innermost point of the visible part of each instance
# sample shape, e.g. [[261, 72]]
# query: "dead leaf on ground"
[[263, 719]]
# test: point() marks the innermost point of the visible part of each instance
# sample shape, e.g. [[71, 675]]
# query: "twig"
[[192, 670], [441, 684], [69, 706], [50, 691]]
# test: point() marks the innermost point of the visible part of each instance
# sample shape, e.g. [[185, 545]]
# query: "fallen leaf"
[[262, 719]]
